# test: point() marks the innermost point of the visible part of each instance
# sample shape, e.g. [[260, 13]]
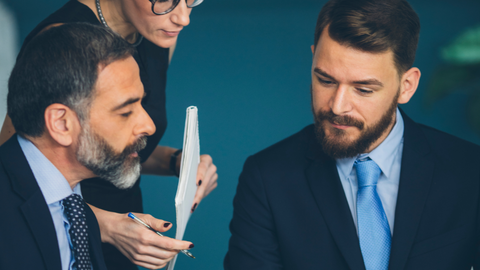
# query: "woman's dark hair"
[[374, 26], [60, 65]]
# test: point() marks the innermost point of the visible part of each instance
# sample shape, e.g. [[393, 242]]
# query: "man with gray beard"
[[75, 101]]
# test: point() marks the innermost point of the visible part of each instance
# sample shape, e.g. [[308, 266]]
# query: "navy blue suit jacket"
[[27, 235], [290, 210]]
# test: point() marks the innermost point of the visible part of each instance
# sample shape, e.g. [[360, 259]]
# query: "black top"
[[153, 63]]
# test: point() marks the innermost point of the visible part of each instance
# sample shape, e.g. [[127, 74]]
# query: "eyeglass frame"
[[175, 4]]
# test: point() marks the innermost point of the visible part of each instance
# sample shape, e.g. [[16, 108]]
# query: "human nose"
[[340, 101], [181, 14], [145, 124]]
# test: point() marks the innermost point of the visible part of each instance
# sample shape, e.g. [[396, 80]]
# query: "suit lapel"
[[35, 209], [324, 182], [39, 220], [415, 180]]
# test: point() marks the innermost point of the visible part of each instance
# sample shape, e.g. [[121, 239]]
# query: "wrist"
[[174, 160], [105, 220]]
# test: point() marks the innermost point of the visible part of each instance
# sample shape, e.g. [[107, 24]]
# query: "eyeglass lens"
[[162, 6]]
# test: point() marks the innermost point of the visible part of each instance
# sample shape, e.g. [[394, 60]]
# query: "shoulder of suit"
[[449, 144], [291, 148]]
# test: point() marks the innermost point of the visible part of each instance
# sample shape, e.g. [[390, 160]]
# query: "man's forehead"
[[330, 54], [345, 62], [119, 81]]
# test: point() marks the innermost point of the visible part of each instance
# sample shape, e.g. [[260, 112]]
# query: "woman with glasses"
[[153, 27]]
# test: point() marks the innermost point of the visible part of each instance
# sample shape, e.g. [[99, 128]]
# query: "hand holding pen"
[[132, 216]]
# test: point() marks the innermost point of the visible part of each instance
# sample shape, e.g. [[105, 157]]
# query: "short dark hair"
[[373, 26], [60, 65]]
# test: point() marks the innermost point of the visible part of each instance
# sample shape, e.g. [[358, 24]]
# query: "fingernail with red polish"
[[191, 246], [194, 207], [200, 183], [166, 224]]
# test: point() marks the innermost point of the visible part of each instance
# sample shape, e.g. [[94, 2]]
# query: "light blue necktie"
[[373, 229]]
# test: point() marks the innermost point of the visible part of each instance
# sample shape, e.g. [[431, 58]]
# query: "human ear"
[[61, 123], [313, 49], [409, 84]]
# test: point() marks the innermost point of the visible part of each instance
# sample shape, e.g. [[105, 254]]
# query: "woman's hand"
[[159, 164], [140, 245], [206, 179]]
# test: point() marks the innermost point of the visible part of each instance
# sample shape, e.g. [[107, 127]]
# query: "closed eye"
[[364, 91], [325, 82], [126, 114]]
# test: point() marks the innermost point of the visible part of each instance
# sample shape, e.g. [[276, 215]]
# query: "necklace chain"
[[102, 19], [100, 14]]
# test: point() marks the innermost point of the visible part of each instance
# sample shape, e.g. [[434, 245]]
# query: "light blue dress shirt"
[[54, 188], [388, 156]]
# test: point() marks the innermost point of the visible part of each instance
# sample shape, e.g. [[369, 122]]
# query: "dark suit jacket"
[[290, 210], [27, 235]]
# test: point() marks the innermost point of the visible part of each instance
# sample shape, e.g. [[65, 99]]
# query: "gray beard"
[[97, 155]]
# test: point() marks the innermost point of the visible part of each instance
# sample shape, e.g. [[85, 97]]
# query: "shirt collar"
[[384, 154], [51, 181]]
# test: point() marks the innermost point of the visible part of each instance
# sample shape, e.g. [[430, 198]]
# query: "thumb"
[[157, 224]]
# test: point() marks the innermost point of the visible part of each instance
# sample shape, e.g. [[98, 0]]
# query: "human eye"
[[364, 91], [127, 114], [325, 82]]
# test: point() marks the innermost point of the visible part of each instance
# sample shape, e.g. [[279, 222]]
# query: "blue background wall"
[[246, 66]]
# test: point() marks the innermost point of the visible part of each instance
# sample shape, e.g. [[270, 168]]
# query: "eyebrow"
[[369, 82], [362, 82], [128, 102], [324, 74]]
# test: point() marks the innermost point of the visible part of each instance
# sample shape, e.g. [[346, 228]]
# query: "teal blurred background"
[[246, 66]]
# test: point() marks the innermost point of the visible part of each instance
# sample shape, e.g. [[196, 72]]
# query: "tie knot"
[[368, 172], [73, 206]]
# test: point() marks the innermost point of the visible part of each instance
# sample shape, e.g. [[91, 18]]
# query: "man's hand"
[[206, 179], [140, 245]]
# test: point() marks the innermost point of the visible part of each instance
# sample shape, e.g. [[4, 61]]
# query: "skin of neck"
[[115, 18], [63, 158]]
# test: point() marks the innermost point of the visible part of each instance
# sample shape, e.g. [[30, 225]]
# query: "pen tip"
[[186, 252]]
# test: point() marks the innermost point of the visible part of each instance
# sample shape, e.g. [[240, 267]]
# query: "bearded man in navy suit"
[[365, 187], [75, 101]]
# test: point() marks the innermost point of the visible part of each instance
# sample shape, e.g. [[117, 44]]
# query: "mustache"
[[138, 145], [344, 120]]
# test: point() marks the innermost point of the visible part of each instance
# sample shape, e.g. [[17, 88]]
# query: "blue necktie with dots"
[[74, 209], [373, 229]]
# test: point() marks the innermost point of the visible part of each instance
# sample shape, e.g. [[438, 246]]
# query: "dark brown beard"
[[336, 145]]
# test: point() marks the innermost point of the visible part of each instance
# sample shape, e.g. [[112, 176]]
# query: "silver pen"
[[132, 216]]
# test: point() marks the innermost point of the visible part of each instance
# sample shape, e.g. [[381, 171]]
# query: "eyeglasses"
[[161, 7]]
